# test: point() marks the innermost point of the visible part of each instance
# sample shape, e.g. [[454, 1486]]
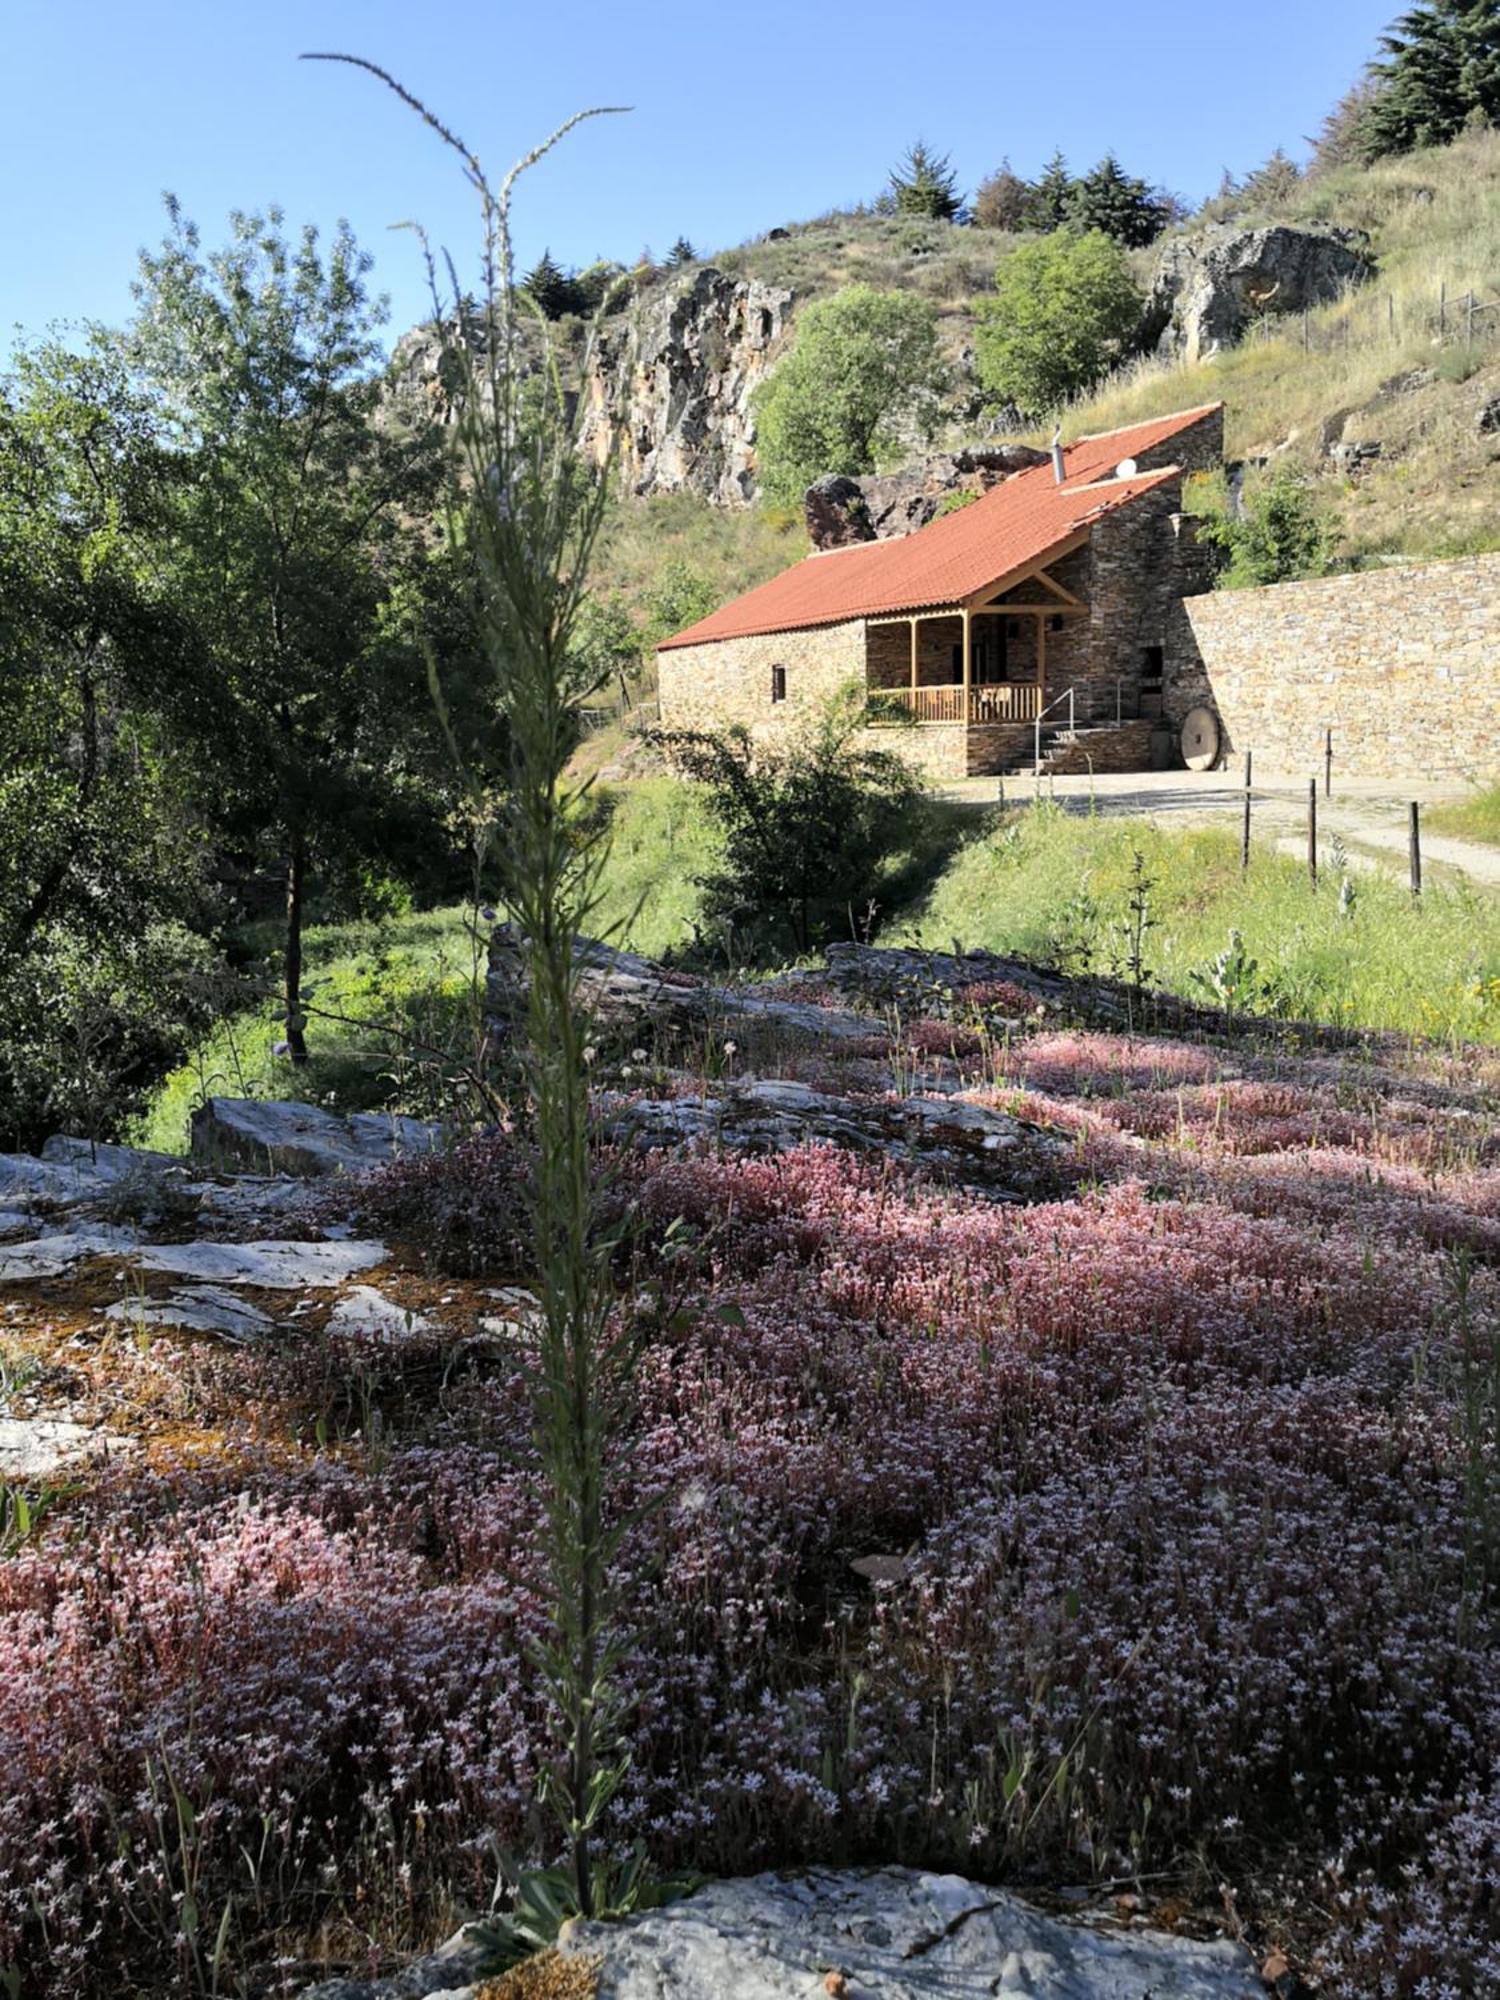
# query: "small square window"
[[778, 683]]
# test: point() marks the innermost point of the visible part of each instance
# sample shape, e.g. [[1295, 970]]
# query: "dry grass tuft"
[[548, 1976]]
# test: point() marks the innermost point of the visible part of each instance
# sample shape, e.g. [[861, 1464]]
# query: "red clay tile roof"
[[1007, 529]]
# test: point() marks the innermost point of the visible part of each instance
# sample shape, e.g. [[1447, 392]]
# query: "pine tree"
[[1346, 138], [925, 184], [1003, 200], [1048, 208], [681, 252], [553, 291], [1273, 184], [1440, 73], [1114, 202]]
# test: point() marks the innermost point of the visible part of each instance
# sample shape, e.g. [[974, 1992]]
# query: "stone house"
[[1043, 606]]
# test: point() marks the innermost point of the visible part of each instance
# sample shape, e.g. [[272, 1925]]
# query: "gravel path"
[[1370, 818]]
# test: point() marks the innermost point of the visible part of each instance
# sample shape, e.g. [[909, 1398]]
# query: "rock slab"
[[1210, 284], [897, 1934], [250, 1135]]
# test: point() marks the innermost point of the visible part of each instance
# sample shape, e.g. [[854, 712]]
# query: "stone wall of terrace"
[[1402, 664]]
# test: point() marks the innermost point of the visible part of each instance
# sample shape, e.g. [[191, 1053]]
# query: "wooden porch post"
[[913, 666], [968, 657], [1041, 662]]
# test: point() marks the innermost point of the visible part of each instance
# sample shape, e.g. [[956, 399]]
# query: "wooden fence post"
[[1328, 763], [1245, 835], [1312, 831], [1443, 310], [1416, 849]]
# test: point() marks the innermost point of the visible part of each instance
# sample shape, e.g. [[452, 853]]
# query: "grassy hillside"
[[1434, 222]]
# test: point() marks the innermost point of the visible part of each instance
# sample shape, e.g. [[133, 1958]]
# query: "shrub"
[[805, 825], [1064, 310]]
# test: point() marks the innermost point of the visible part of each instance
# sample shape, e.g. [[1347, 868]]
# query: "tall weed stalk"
[[525, 505]]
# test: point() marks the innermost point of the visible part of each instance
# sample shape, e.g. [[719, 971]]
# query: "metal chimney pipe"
[[1058, 469]]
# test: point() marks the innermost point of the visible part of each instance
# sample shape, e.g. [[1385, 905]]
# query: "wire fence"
[[1456, 318]]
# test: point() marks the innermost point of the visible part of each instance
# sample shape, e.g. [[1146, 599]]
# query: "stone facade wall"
[[729, 680], [1200, 448], [1403, 664], [1134, 582]]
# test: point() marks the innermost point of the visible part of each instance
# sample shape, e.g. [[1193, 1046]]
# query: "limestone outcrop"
[[669, 382], [1210, 284], [902, 1933]]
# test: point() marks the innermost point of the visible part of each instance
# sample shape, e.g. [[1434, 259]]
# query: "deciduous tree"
[[864, 366], [297, 549], [1064, 310]]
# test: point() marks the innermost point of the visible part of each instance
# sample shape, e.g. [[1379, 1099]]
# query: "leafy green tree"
[[297, 549], [679, 596], [924, 183], [806, 825], [607, 644], [102, 863], [1440, 72], [863, 368], [1004, 201], [1115, 203], [1279, 536], [1048, 206], [1065, 309]]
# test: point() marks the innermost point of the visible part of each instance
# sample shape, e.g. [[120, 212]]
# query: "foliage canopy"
[[864, 370], [1065, 308]]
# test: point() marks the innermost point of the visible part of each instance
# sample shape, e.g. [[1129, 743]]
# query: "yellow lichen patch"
[[548, 1976]]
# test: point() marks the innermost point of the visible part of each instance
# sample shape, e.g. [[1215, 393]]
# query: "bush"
[[1064, 311], [806, 826], [1279, 537]]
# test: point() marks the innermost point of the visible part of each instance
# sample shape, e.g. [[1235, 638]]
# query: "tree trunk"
[[296, 874]]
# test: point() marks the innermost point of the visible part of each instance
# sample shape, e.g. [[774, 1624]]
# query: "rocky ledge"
[[894, 1933]]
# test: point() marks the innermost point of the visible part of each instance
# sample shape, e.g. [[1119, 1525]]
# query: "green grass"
[[1474, 818], [661, 840], [1048, 884], [410, 974], [1036, 881]]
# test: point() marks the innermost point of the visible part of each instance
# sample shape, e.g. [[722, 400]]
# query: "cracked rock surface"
[[899, 1934]]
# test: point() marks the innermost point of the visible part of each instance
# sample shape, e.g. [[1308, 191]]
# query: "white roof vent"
[[1126, 469]]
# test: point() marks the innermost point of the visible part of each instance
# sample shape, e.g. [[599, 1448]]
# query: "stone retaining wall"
[[1403, 664]]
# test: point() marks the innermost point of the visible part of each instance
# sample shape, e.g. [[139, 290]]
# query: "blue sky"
[[745, 114]]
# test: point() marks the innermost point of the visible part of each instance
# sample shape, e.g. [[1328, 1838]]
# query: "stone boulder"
[[619, 987], [1210, 284], [247, 1135], [841, 510], [898, 1933]]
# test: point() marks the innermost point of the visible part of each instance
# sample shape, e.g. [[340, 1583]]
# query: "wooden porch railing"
[[999, 701]]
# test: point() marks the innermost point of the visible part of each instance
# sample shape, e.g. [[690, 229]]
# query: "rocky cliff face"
[[1210, 284], [671, 377], [676, 373]]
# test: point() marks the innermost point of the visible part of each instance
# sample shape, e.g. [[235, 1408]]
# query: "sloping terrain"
[[1086, 1480]]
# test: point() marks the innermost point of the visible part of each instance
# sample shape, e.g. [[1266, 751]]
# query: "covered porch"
[[1000, 658]]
